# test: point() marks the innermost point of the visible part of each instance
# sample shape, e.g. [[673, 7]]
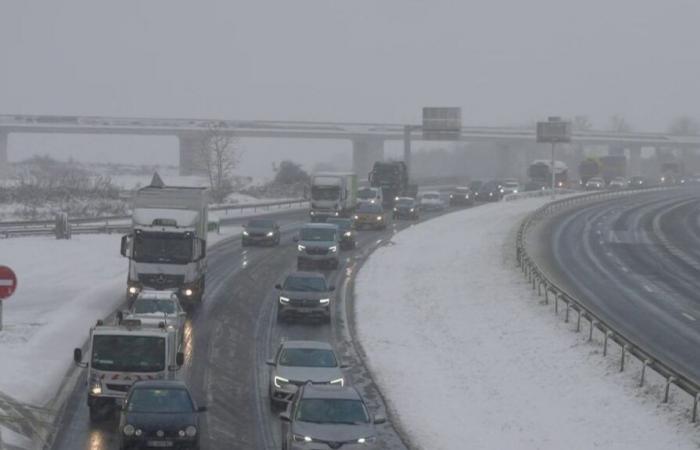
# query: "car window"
[[154, 306], [159, 401], [307, 357], [317, 234], [331, 410], [405, 202], [305, 284], [366, 194], [369, 208], [431, 196], [258, 223], [343, 224]]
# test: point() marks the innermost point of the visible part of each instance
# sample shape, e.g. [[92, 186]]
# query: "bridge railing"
[[545, 286]]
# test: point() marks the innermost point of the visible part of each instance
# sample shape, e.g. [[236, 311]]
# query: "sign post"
[[8, 285], [552, 131]]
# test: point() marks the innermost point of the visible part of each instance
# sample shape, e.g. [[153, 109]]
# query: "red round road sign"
[[8, 282]]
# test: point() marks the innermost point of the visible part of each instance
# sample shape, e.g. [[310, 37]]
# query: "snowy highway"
[[634, 261], [232, 335]]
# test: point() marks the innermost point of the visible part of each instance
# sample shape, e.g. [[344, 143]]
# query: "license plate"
[[159, 444]]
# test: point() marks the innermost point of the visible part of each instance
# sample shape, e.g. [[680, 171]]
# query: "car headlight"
[[245, 233], [284, 300], [452, 196], [356, 217], [133, 290], [301, 438], [188, 292], [490, 194], [324, 301], [347, 234], [367, 440], [313, 213], [191, 431], [333, 248], [396, 209], [279, 381], [138, 432], [96, 389], [301, 248], [380, 218], [128, 430], [270, 234], [372, 201], [515, 191], [502, 191], [396, 199], [413, 209], [339, 381], [336, 214]]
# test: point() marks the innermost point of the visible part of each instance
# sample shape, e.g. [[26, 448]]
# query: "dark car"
[[347, 235], [160, 413], [474, 186], [637, 182], [491, 192], [261, 231], [461, 196], [304, 295], [406, 208], [325, 416]]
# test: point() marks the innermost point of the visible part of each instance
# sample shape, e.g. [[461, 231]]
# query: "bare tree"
[[218, 156], [618, 124], [685, 126]]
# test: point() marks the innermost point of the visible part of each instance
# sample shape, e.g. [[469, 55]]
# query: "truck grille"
[[119, 387], [161, 281], [303, 303], [317, 251]]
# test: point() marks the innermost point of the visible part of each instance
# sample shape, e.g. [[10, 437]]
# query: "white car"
[[510, 187], [595, 184], [153, 308], [431, 201], [617, 183]]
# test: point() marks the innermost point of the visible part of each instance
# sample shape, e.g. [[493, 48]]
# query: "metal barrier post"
[[622, 358], [568, 305], [556, 304], [695, 407], [645, 363], [590, 331], [669, 380], [578, 321], [605, 343]]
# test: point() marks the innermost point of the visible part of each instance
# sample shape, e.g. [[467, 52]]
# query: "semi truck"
[[167, 244], [540, 174], [392, 178], [612, 166], [332, 195], [120, 355]]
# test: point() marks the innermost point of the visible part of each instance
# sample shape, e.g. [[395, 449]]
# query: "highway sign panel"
[[8, 282], [441, 124], [553, 131]]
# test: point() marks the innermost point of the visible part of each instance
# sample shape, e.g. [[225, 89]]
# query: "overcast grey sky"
[[503, 62]]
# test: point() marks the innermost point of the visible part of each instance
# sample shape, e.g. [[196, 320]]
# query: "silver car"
[[298, 362], [329, 417], [318, 243]]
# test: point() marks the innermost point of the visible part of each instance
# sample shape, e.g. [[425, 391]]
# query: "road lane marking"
[[689, 317], [624, 269], [648, 288]]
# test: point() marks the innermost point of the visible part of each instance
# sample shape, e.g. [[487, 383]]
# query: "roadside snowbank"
[[467, 359]]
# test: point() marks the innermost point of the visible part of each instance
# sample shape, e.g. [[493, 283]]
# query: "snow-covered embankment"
[[467, 359]]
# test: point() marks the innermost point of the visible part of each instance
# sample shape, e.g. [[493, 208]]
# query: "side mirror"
[[332, 288], [278, 287], [202, 409], [120, 317], [78, 356], [270, 362], [180, 359], [379, 419], [284, 417], [125, 245]]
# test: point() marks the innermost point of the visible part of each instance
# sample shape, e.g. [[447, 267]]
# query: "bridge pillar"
[[635, 166], [4, 163], [365, 152], [189, 146]]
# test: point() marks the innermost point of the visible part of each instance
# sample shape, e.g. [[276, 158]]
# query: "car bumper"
[[155, 442], [307, 312], [258, 239], [323, 446]]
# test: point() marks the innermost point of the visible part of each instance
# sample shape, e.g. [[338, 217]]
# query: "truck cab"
[[370, 195], [167, 244], [332, 195], [119, 355]]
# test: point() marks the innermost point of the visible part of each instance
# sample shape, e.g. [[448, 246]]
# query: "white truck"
[[333, 195], [167, 245], [120, 355]]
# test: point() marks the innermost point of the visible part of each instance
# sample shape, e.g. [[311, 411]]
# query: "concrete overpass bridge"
[[367, 138]]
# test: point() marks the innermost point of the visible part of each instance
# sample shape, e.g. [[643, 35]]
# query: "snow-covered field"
[[468, 359]]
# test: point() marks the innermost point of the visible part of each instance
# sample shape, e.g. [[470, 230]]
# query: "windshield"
[[119, 353], [431, 196], [343, 224], [160, 401], [367, 194], [331, 410], [305, 284], [162, 247], [317, 234], [325, 192], [511, 184], [152, 306], [307, 357], [369, 208], [261, 224], [405, 202]]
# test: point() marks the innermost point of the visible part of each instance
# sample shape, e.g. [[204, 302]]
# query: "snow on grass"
[[467, 358]]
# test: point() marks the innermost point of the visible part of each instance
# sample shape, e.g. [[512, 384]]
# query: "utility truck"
[[167, 245], [392, 178], [120, 355], [332, 195]]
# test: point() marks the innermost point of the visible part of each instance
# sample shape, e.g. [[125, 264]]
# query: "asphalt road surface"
[[635, 261], [230, 336]]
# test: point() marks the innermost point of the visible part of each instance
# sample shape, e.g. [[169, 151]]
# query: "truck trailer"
[[332, 195]]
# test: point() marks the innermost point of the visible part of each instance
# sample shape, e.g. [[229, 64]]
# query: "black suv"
[[304, 295], [261, 231]]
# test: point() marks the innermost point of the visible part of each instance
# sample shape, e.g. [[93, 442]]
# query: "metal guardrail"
[[544, 285], [105, 224]]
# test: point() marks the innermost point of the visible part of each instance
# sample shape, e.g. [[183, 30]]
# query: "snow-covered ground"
[[467, 358]]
